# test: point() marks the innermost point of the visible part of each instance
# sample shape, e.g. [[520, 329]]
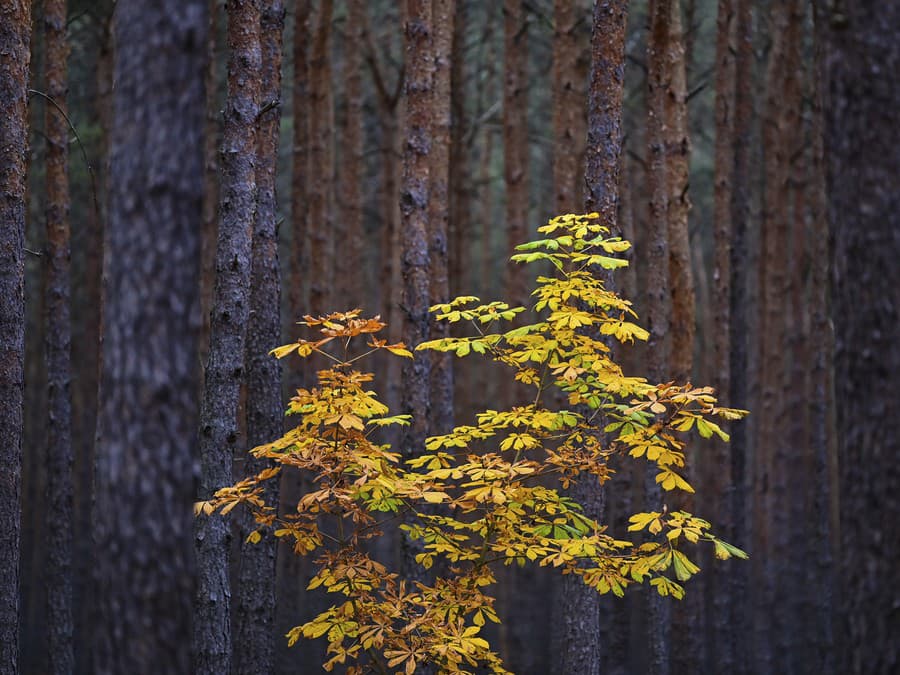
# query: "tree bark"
[[15, 54], [321, 164], [414, 204], [568, 106], [297, 296], [863, 154], [58, 340], [144, 567], [658, 295], [515, 143], [738, 329], [441, 396], [352, 281], [228, 326], [717, 481], [255, 612], [581, 639]]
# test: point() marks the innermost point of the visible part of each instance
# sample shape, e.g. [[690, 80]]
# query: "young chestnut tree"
[[487, 493]]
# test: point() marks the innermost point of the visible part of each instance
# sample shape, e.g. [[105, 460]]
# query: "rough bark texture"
[[254, 633], [352, 282], [515, 142], [657, 637], [581, 639], [820, 355], [738, 328], [441, 400], [863, 155], [211, 138], [144, 476], [15, 38], [568, 106], [717, 480], [228, 325], [414, 231], [321, 164], [678, 154], [58, 339], [605, 109]]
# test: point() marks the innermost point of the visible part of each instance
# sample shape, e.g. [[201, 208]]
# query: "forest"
[[450, 336]]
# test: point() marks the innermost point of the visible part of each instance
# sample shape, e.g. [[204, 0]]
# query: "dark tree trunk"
[[297, 297], [441, 402], [717, 480], [738, 328], [658, 298], [863, 155], [581, 652], [515, 142], [211, 139], [15, 54], [228, 325], [144, 471], [254, 633], [414, 231], [58, 339]]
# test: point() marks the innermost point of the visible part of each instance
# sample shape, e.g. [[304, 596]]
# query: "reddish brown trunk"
[[58, 335], [441, 399], [515, 142], [299, 280], [568, 106], [321, 164]]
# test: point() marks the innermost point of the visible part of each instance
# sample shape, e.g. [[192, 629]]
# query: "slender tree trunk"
[[717, 482], [321, 164], [658, 295], [568, 106], [515, 142], [231, 300], [255, 615], [581, 638], [58, 338], [349, 256], [297, 296], [15, 54], [738, 328], [819, 366], [144, 568], [414, 205], [441, 398], [460, 188], [863, 154], [210, 181]]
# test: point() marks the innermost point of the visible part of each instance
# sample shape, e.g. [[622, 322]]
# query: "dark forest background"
[[749, 148]]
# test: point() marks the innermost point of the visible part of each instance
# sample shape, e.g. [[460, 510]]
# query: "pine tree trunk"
[[321, 165], [568, 106], [863, 154], [211, 139], [15, 37], [717, 480], [146, 431], [414, 205], [581, 639], [515, 143], [352, 282], [255, 612], [58, 338], [228, 326], [441, 397], [299, 277], [658, 295], [738, 328]]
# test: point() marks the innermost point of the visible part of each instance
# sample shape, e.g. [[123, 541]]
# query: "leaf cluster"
[[488, 493]]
